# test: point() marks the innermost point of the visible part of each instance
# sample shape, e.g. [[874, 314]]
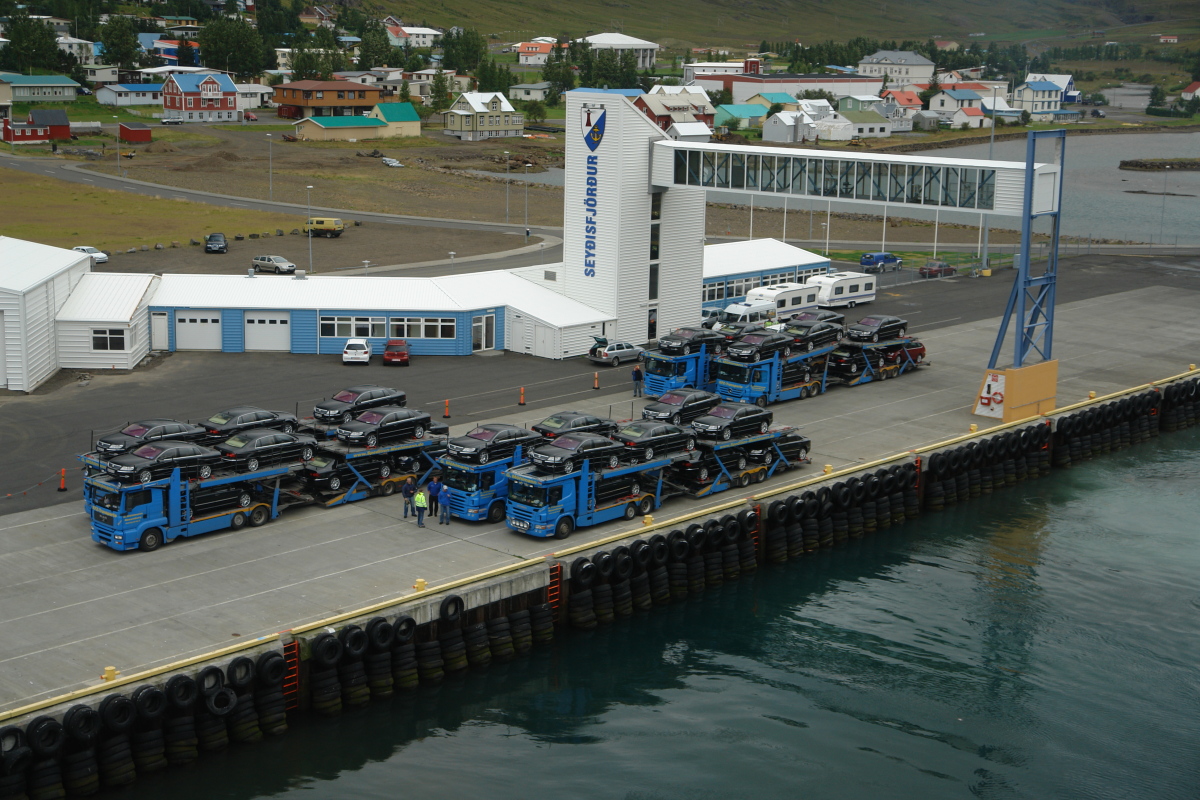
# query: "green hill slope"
[[744, 23]]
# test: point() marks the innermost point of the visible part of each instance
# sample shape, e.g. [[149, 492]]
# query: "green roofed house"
[[40, 88], [868, 124], [748, 115], [340, 129], [769, 99], [401, 119]]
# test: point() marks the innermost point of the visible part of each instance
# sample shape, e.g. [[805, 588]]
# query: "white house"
[[789, 126], [898, 65], [35, 282], [80, 48], [835, 128], [529, 91], [643, 50], [689, 132], [1065, 84], [1192, 90], [106, 322], [1040, 98], [253, 95], [130, 94], [971, 117], [659, 88], [949, 101], [690, 71]]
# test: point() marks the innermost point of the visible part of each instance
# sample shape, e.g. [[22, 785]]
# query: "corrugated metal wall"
[[233, 330], [39, 337], [681, 271], [75, 346], [304, 331]]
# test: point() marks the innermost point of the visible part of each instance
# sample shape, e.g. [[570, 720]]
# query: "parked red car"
[[937, 269], [396, 352], [247, 115]]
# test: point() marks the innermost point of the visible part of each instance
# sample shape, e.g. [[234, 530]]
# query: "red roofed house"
[[42, 126], [909, 101], [668, 109], [943, 44], [535, 53], [972, 117], [1168, 38], [195, 97], [1192, 91]]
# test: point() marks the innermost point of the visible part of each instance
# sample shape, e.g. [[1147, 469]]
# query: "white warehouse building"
[[104, 324]]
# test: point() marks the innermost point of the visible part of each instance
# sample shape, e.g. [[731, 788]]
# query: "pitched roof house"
[[483, 115], [200, 98], [669, 109]]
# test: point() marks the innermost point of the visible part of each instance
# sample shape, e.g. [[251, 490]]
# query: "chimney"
[[299, 276], [250, 272]]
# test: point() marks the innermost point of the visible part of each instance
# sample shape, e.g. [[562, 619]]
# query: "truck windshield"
[[527, 495], [109, 500], [664, 368], [460, 479], [734, 373]]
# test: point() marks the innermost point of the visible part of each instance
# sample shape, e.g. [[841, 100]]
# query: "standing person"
[[444, 502], [420, 503], [407, 491], [637, 380], [435, 488]]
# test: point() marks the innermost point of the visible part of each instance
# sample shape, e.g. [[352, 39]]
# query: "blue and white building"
[[734, 268]]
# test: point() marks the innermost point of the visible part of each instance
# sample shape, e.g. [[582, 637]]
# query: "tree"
[[232, 44], [439, 92], [307, 64], [32, 44], [1025, 116], [558, 73], [535, 111], [405, 92], [463, 50], [935, 86], [722, 97], [818, 94], [185, 54], [120, 43], [627, 74], [231, 7], [764, 47], [376, 48], [1158, 96]]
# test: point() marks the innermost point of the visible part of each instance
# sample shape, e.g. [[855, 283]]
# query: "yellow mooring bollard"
[[828, 468], [420, 585], [648, 519], [974, 428], [110, 674]]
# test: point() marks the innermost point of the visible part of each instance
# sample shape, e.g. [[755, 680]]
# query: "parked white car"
[[356, 351], [276, 264], [98, 256]]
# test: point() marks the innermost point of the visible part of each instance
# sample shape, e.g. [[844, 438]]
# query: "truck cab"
[[480, 490]]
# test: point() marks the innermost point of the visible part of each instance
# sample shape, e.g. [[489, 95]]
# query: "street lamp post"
[[986, 222], [307, 224], [506, 183], [366, 267], [527, 166], [270, 167]]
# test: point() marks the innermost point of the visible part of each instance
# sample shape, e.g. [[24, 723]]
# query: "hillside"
[[744, 23]]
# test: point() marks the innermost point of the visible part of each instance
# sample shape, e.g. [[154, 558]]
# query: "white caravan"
[[843, 289]]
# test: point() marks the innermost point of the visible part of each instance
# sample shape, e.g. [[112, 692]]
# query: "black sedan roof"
[[570, 415], [366, 387]]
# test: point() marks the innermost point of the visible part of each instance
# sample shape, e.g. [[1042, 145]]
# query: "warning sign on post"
[[990, 402]]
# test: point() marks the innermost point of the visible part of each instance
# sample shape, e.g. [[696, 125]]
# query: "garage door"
[[198, 330], [269, 330]]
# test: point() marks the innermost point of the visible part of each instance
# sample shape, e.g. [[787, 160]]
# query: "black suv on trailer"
[[877, 327], [345, 404], [688, 340], [680, 406]]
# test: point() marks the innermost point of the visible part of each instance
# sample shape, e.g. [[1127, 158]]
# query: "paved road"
[[43, 432]]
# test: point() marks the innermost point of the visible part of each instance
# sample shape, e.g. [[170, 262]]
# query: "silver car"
[[276, 264], [98, 256], [606, 352]]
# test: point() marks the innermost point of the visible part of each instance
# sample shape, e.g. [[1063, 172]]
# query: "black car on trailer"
[[794, 446], [574, 422], [226, 423], [329, 472], [647, 439], [680, 406], [345, 404], [136, 434], [491, 441], [809, 335], [567, 453], [733, 420], [157, 460], [759, 345], [877, 327], [250, 450], [384, 424], [683, 341]]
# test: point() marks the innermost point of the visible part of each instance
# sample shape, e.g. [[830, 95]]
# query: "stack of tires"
[[216, 701], [325, 692], [44, 779], [377, 662], [149, 744], [981, 467], [406, 666], [15, 758], [179, 727], [1111, 426], [243, 717], [114, 751], [1180, 405], [270, 669], [351, 674]]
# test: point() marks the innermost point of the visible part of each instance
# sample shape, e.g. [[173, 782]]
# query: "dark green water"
[[1040, 643]]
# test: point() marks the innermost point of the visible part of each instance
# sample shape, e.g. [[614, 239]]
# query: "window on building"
[[361, 327], [108, 339], [320, 95], [713, 292], [653, 293], [656, 205], [654, 240]]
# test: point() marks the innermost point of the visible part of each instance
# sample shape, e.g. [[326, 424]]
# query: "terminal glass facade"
[[837, 178]]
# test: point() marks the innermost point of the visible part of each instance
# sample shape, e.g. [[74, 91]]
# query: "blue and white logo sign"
[[592, 122]]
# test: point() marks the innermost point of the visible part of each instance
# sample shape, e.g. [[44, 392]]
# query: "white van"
[[760, 311], [789, 299], [843, 289]]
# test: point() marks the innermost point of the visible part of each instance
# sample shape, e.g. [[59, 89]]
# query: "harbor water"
[[1040, 642]]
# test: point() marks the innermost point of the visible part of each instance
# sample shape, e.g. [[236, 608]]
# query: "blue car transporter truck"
[[480, 490], [143, 516], [665, 372]]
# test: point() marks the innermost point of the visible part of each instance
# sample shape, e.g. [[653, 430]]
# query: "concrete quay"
[[70, 607]]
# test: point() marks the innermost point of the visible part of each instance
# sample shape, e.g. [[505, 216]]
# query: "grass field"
[[86, 109], [65, 215]]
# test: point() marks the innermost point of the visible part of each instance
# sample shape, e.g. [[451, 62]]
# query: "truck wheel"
[[419, 432], [237, 521], [760, 476], [372, 441], [152, 539], [495, 515], [388, 489], [145, 476], [630, 511], [205, 471], [335, 483], [244, 499], [645, 505], [385, 470], [259, 516], [252, 465], [564, 528], [744, 480], [761, 402]]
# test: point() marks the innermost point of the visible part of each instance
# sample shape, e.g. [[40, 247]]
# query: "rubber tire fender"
[[660, 550], [641, 554], [451, 609], [325, 650], [15, 753], [210, 680], [354, 642], [182, 692], [622, 564], [583, 572], [270, 669], [858, 490], [887, 482], [240, 674], [795, 510], [974, 453], [380, 634], [221, 703], [697, 539], [908, 475], [151, 703], [938, 464], [118, 713], [714, 532], [841, 495], [989, 450], [748, 519], [45, 736], [604, 565], [731, 531], [404, 629], [82, 724], [824, 495], [778, 512], [811, 506], [679, 545], [872, 484], [1014, 444]]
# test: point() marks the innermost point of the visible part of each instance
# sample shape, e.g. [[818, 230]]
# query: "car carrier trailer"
[[144, 516]]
